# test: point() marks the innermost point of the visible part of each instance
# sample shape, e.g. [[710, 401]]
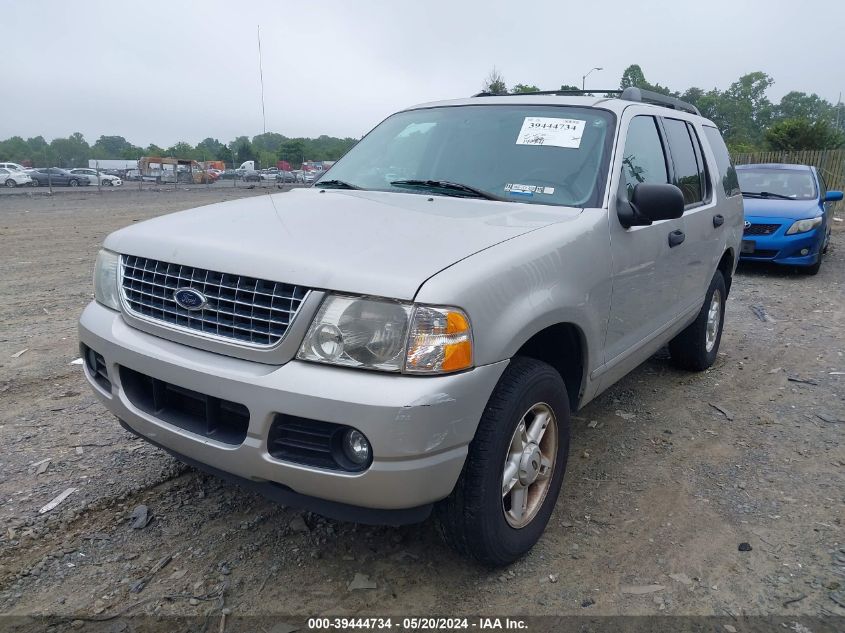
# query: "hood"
[[787, 209], [363, 242]]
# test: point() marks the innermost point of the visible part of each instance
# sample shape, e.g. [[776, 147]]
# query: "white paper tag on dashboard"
[[538, 130]]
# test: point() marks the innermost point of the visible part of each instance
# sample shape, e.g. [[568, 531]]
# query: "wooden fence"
[[830, 163]]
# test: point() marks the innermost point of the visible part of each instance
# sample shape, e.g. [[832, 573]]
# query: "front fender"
[[560, 273]]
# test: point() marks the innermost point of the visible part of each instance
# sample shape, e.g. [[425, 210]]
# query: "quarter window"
[[688, 174], [643, 159]]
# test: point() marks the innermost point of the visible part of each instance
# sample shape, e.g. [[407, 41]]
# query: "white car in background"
[[106, 179], [13, 178], [12, 166]]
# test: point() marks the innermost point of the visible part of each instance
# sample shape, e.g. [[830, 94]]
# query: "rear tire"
[[696, 348], [11, 183], [34, 183], [72, 183], [497, 512]]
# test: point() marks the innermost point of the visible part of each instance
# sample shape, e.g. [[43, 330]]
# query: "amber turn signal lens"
[[440, 341]]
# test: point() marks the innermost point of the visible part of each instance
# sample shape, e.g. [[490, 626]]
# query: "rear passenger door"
[[702, 245], [646, 269]]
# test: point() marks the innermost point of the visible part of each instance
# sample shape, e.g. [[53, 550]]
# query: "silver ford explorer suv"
[[414, 331]]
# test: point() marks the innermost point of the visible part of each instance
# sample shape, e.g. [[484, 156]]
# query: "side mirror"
[[651, 203], [833, 196]]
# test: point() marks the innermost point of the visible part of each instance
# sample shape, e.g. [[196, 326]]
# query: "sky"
[[162, 72]]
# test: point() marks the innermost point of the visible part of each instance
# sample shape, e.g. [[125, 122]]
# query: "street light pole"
[[584, 77]]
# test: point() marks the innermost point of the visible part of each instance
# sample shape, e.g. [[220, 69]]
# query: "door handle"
[[718, 220], [675, 238]]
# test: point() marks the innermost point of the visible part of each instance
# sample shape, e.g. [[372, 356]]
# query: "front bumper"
[[779, 248], [419, 427]]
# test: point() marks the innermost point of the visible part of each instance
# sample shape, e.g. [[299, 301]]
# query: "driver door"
[[648, 266]]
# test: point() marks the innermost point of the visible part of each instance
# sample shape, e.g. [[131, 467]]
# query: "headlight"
[[389, 336], [105, 279], [802, 226]]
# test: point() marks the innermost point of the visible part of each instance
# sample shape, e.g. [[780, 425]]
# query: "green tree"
[[800, 105], [633, 76], [524, 88], [72, 151], [181, 150], [154, 150], [243, 150], [803, 134], [495, 83], [569, 87], [269, 142], [208, 149], [111, 147], [293, 151]]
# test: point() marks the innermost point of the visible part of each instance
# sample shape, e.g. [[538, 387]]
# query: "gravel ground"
[[669, 473]]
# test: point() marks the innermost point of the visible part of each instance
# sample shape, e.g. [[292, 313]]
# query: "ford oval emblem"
[[747, 224], [189, 299]]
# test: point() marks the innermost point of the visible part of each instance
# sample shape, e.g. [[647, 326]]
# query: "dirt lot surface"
[[669, 473]]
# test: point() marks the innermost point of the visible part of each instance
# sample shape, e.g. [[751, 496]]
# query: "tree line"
[[748, 119], [266, 149]]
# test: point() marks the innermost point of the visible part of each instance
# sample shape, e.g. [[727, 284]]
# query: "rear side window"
[[689, 173], [644, 159], [727, 173]]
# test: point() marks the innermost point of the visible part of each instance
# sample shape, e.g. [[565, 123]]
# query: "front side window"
[[553, 155], [643, 159], [795, 184], [688, 174]]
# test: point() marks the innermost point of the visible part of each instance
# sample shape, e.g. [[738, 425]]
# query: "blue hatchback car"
[[787, 214]]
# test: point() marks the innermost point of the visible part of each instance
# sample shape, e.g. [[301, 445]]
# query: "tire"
[[34, 183], [696, 348], [477, 519], [11, 183], [73, 182]]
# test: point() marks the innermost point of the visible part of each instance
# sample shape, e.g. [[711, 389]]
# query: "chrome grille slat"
[[240, 309]]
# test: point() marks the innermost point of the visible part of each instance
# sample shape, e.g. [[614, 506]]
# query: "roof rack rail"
[[631, 93], [546, 92]]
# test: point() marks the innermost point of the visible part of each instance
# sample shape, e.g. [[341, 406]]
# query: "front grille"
[[309, 442], [196, 412], [761, 229], [244, 309]]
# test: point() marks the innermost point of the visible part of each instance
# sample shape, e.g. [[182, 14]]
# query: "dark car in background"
[[787, 214], [43, 176]]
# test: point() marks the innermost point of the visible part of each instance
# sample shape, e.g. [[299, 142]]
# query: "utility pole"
[[261, 78], [584, 77]]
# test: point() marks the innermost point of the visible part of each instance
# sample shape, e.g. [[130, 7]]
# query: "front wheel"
[[73, 183], [514, 468], [11, 183], [34, 183], [696, 348]]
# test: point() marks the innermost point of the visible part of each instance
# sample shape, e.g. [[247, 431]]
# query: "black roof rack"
[[628, 94]]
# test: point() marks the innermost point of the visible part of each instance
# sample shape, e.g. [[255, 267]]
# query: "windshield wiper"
[[336, 184], [446, 185], [766, 194]]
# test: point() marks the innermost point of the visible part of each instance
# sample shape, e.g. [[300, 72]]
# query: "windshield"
[[535, 154], [780, 183]]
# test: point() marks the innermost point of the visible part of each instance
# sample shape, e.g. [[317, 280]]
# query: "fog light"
[[356, 447], [805, 251]]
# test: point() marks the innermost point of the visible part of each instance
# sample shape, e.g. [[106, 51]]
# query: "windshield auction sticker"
[[538, 130]]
